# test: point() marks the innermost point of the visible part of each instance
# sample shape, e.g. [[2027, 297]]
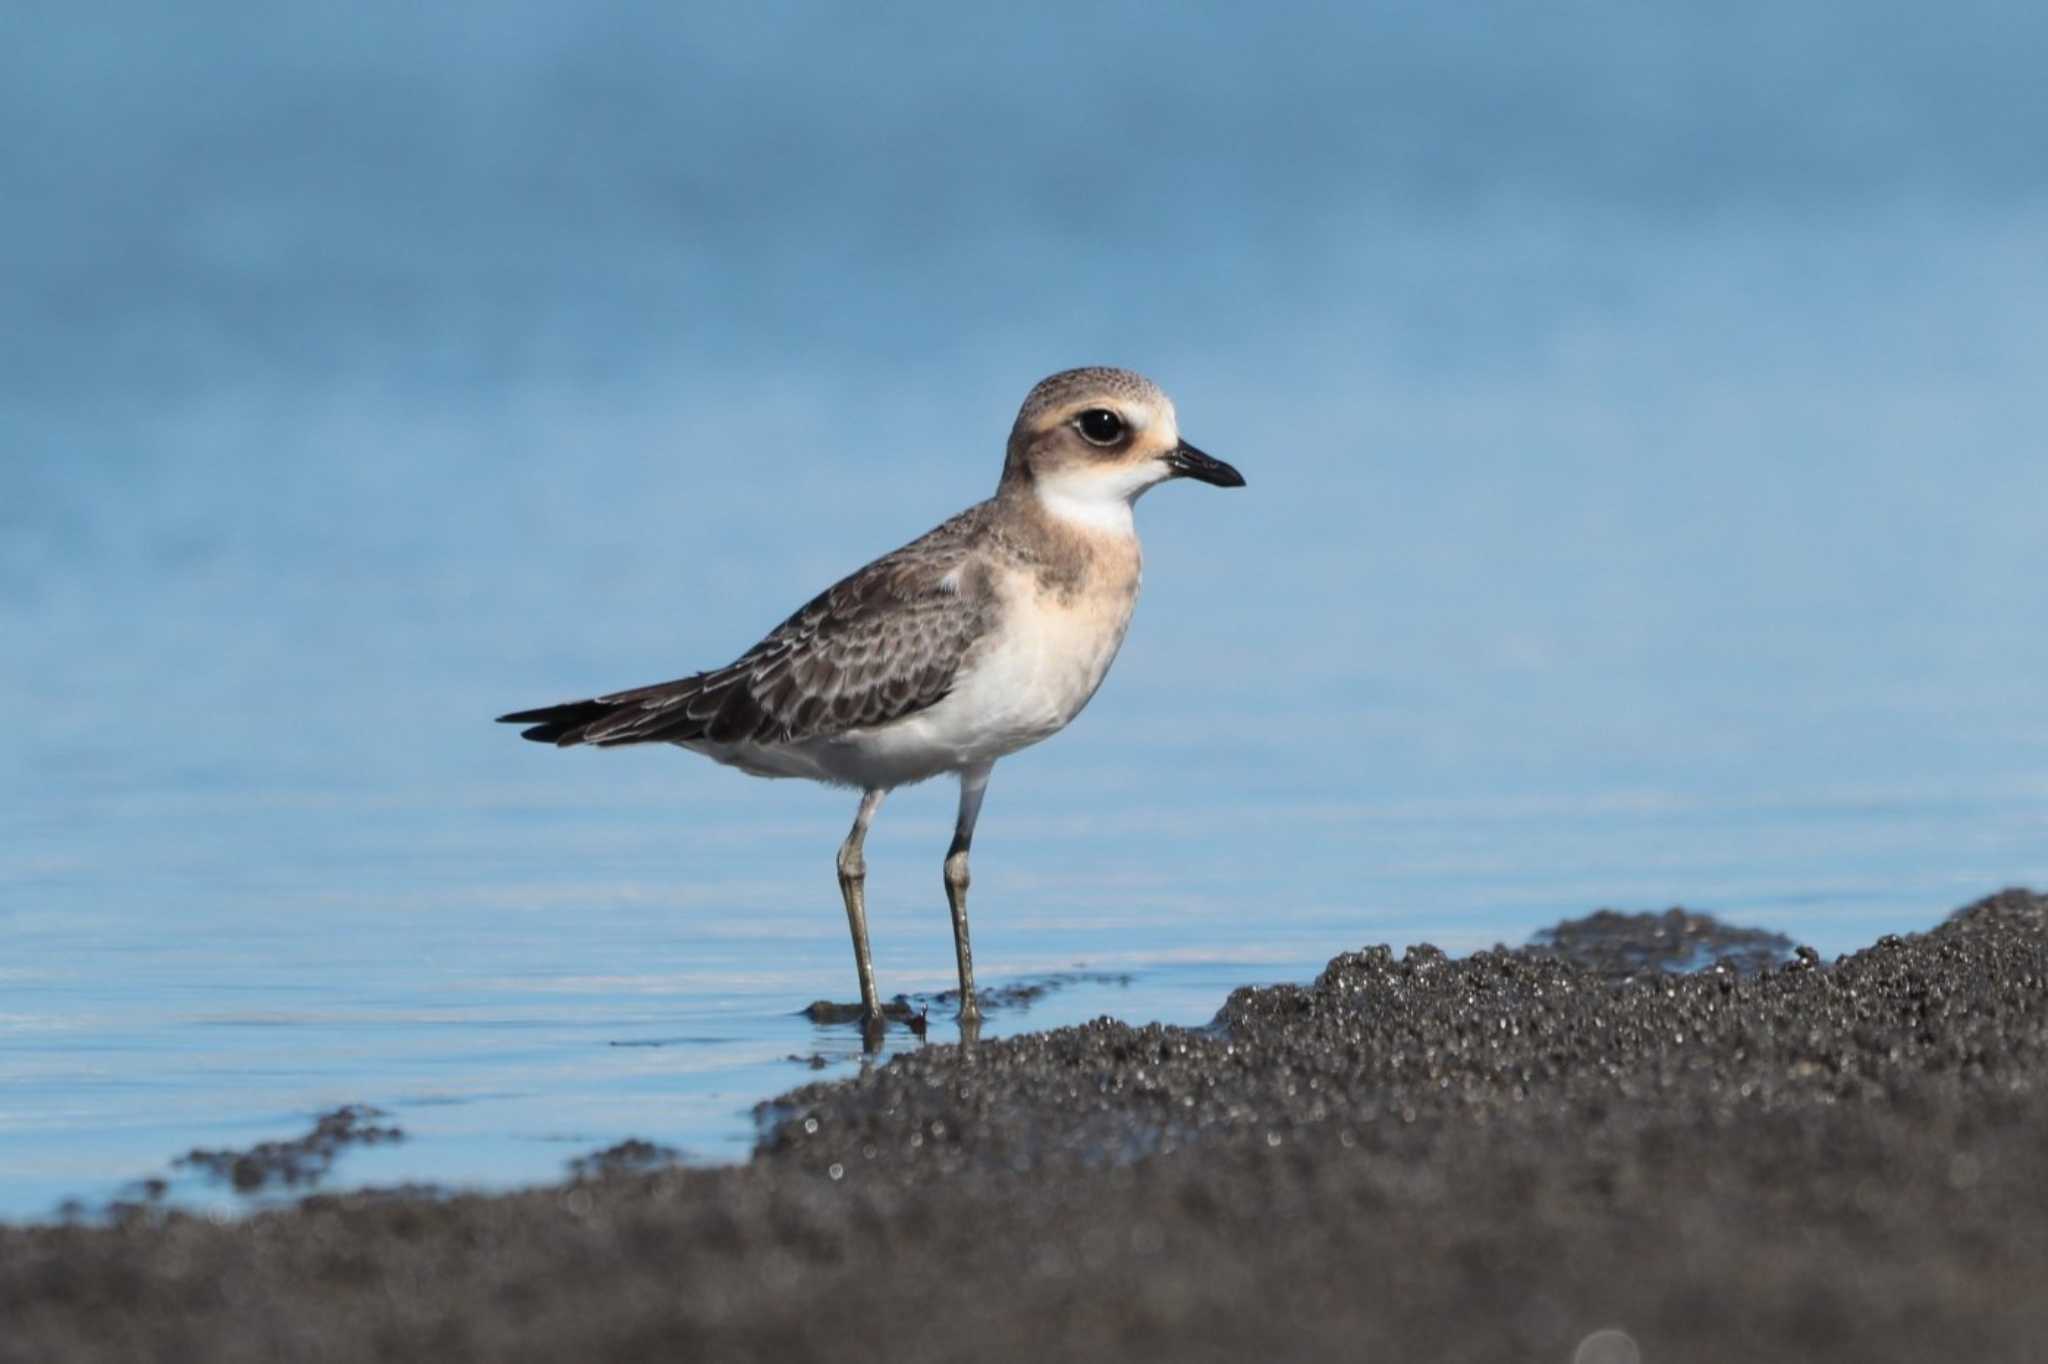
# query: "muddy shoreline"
[[1493, 1157]]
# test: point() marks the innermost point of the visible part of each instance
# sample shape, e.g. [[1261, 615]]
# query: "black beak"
[[1188, 462]]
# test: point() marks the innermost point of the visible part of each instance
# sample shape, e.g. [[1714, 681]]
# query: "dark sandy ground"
[[1493, 1158]]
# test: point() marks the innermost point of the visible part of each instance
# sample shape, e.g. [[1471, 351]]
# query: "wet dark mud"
[[301, 1161], [1532, 1154], [1617, 944], [632, 1156], [913, 1010]]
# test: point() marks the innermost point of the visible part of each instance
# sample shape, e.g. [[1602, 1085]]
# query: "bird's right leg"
[[853, 875]]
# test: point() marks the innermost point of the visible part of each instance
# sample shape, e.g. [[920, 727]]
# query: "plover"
[[980, 638]]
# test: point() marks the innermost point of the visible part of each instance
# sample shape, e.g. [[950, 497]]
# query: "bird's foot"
[[874, 1020], [827, 1011]]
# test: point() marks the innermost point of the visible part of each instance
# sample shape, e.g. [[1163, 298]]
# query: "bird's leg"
[[973, 781], [853, 874]]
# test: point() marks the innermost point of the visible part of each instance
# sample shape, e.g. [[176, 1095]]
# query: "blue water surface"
[[1640, 407]]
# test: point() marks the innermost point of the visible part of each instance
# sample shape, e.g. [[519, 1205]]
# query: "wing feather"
[[880, 644]]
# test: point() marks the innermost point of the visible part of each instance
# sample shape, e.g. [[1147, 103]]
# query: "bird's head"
[[1088, 442]]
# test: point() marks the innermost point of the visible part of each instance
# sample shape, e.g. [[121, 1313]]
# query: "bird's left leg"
[[973, 781], [853, 875]]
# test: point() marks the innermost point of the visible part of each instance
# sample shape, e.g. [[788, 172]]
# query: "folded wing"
[[883, 643]]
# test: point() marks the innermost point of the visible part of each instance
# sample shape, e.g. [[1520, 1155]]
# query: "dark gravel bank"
[[1416, 1158]]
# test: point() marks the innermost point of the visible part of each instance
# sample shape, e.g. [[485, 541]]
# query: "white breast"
[[1045, 660]]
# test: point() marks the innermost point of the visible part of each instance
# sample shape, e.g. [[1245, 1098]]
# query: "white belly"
[[1032, 677], [1037, 675]]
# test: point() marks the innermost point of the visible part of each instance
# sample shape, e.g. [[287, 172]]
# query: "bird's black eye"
[[1102, 426]]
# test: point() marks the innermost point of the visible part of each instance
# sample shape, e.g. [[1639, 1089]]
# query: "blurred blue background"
[[1641, 407]]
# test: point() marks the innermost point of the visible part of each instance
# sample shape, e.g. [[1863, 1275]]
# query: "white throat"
[[1099, 500]]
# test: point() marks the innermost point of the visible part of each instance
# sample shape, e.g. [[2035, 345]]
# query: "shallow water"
[[1614, 536]]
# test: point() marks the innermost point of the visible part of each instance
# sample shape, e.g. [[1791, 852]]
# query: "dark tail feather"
[[656, 714], [561, 725]]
